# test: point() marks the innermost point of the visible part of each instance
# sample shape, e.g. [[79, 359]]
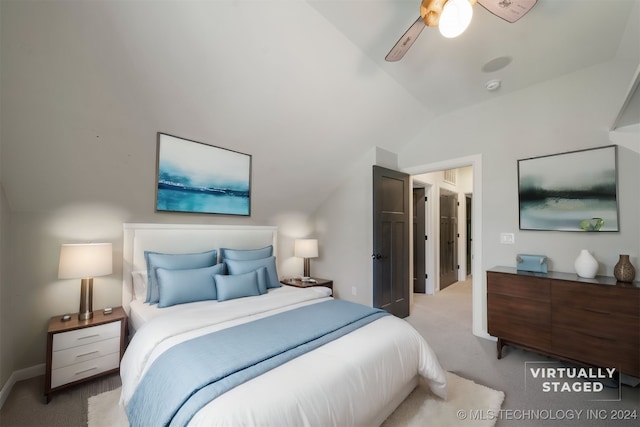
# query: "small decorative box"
[[534, 263]]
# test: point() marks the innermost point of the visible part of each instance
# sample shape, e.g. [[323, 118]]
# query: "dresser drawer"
[[519, 320], [526, 287], [85, 369], [597, 350], [596, 298], [83, 353], [85, 336], [592, 322]]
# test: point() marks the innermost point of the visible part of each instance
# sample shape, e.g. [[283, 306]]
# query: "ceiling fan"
[[452, 17]]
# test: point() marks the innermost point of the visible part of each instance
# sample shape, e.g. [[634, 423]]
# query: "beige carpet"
[[468, 403]]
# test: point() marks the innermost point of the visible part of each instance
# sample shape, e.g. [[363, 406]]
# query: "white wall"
[[344, 227], [5, 330], [79, 152], [465, 186], [569, 113]]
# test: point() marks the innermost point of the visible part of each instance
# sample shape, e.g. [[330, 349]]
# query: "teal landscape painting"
[[574, 191], [200, 178]]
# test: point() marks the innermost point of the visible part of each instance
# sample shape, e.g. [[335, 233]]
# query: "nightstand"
[[300, 284], [80, 350]]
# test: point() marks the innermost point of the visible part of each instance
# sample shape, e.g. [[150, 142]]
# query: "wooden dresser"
[[592, 321]]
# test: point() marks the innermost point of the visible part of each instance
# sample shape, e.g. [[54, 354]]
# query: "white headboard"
[[185, 238]]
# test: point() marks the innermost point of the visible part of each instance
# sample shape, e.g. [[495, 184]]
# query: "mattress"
[[353, 380]]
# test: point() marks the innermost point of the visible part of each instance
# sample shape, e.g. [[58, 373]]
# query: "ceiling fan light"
[[455, 18]]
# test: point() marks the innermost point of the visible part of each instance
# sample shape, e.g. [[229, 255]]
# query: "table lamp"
[[85, 261], [306, 248]]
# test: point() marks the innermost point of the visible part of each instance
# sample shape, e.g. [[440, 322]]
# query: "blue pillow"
[[189, 285], [240, 267], [263, 280], [173, 262], [238, 286], [246, 254]]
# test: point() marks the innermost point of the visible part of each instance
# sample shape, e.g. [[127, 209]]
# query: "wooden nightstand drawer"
[[83, 370], [83, 353], [80, 350], [85, 336]]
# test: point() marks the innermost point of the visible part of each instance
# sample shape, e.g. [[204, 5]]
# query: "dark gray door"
[[419, 270], [468, 199], [448, 238], [391, 221]]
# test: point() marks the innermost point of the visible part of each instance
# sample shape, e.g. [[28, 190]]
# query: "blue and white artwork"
[[575, 191], [200, 178]]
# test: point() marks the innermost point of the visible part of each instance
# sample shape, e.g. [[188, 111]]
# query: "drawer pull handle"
[[89, 336], [87, 354], [86, 370]]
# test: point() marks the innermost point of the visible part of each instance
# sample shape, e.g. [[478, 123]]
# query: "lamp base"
[[86, 299], [306, 267], [85, 316]]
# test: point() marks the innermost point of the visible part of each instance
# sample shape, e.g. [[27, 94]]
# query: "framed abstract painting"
[[573, 191], [199, 178]]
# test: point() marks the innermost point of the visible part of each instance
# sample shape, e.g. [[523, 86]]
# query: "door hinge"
[[426, 276], [458, 267], [426, 198], [458, 235], [458, 203], [426, 237]]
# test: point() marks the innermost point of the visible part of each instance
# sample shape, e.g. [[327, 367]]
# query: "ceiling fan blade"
[[402, 46], [509, 10]]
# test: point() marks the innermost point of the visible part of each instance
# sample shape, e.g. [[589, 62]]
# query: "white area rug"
[[468, 404]]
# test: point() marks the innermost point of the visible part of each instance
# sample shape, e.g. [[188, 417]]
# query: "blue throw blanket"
[[189, 375]]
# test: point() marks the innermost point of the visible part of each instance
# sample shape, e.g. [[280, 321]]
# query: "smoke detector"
[[493, 85]]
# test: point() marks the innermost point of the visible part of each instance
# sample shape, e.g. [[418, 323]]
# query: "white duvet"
[[344, 382]]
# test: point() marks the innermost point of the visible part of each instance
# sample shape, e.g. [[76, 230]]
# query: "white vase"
[[586, 265]]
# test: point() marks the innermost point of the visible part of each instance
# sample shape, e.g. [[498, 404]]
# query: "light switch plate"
[[507, 238]]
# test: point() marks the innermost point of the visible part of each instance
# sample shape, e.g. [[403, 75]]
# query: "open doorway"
[[479, 300], [448, 251]]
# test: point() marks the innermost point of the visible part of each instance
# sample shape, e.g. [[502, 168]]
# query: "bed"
[[355, 373]]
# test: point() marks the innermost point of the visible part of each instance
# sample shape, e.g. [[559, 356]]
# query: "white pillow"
[[139, 284]]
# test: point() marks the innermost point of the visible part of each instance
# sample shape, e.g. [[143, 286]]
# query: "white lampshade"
[[78, 261], [455, 18], [306, 248]]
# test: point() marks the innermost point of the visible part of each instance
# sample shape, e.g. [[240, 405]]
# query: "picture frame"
[[195, 177], [571, 191]]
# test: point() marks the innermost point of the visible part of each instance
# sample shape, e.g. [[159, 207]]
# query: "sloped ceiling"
[[630, 112], [302, 86], [556, 37]]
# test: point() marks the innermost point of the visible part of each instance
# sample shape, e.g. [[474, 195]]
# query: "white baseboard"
[[22, 374]]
